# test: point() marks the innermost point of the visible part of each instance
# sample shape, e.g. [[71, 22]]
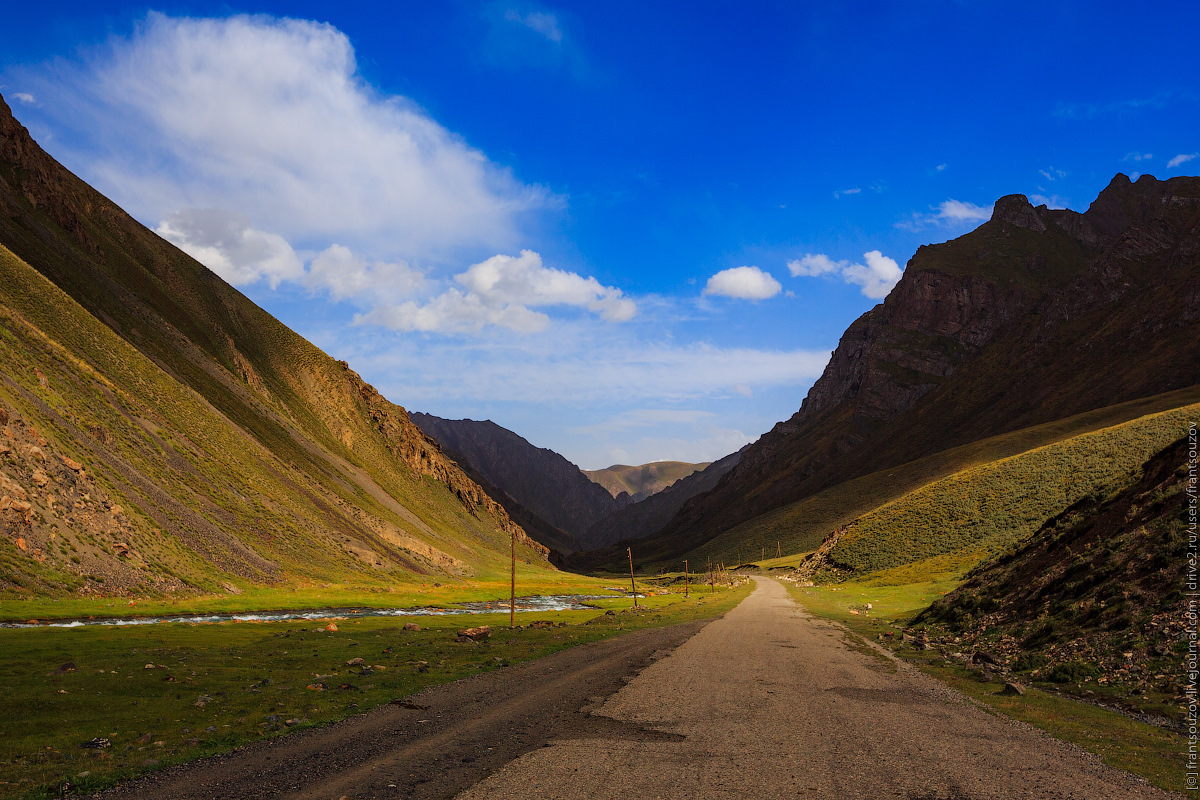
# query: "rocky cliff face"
[[1036, 315]]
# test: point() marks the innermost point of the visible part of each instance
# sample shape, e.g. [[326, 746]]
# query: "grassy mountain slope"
[[802, 526], [642, 481], [1036, 316], [238, 453], [1095, 597]]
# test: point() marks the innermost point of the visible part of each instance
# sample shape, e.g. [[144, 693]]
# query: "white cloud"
[[24, 97], [745, 283], [941, 167], [1138, 156], [345, 275], [500, 292], [838, 194], [646, 418], [1052, 173], [542, 22], [230, 246], [270, 119], [948, 214], [876, 277], [1182, 158]]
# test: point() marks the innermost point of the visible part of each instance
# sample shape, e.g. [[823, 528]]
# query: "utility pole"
[[778, 549], [685, 579], [512, 597], [631, 581], [711, 587], [764, 553]]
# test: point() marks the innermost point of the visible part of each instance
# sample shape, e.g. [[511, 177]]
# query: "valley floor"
[[767, 701]]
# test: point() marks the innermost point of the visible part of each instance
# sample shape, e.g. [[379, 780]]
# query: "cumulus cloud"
[[25, 97], [500, 292], [269, 118], [343, 274], [947, 214], [744, 283], [876, 276], [230, 246], [1180, 159]]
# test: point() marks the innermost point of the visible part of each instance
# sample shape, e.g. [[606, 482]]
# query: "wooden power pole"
[[632, 584], [685, 578], [778, 549], [512, 596]]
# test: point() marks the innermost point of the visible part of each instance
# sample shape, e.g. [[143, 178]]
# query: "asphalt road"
[[765, 702]]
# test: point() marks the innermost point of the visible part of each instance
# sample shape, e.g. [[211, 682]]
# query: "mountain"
[[1096, 593], [541, 480], [642, 481], [639, 520], [1037, 315], [161, 433]]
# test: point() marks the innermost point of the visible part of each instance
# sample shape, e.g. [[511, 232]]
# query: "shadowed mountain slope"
[[541, 480], [639, 520], [1037, 315], [164, 433], [642, 481]]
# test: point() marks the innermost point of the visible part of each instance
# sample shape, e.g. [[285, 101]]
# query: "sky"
[[628, 231]]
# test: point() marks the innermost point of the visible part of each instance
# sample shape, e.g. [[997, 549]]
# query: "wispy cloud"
[[1130, 106], [877, 276], [1052, 174], [744, 283], [841, 192], [541, 22], [1050, 201], [24, 97], [269, 119], [947, 214], [1135, 156], [1181, 159]]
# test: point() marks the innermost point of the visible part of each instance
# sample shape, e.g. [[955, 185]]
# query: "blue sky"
[[627, 231]]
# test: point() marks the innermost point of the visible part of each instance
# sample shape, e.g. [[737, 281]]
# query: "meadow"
[[168, 693]]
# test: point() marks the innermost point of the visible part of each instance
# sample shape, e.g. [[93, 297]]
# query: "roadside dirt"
[[435, 743]]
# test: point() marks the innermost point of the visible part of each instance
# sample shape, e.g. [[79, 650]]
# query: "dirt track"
[[766, 702], [443, 740], [771, 703]]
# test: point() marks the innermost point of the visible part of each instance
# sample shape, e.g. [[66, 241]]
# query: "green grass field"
[[214, 687]]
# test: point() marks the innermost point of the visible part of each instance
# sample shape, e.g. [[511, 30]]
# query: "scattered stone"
[[150, 762], [331, 627], [99, 743], [202, 701], [317, 687], [412, 626], [610, 613], [291, 722], [475, 634], [984, 657], [67, 667], [542, 623], [145, 738], [1012, 688], [348, 687], [354, 662], [40, 477], [421, 666], [71, 464]]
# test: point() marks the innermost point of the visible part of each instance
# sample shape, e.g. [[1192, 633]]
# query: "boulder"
[[412, 626], [474, 634], [354, 662], [984, 657], [1012, 689]]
